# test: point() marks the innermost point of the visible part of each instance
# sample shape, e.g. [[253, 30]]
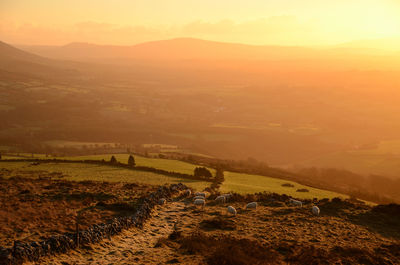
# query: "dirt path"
[[332, 237], [133, 246]]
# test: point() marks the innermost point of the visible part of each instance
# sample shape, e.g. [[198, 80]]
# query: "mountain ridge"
[[16, 61]]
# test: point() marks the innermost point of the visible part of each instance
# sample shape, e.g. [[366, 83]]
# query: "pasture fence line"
[[21, 252], [38, 161]]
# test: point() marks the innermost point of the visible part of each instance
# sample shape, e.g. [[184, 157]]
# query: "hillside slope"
[[17, 63], [174, 49], [202, 50], [268, 235]]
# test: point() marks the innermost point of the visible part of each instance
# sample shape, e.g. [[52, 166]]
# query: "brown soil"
[[178, 232], [36, 207]]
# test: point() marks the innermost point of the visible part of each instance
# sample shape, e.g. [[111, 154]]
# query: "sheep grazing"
[[201, 202], [204, 194], [199, 197], [231, 210], [296, 202], [162, 201], [220, 199], [251, 205], [188, 192], [227, 196], [315, 210]]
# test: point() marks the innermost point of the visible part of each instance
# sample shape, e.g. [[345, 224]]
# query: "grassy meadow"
[[384, 159], [159, 163], [80, 172], [234, 182], [246, 183]]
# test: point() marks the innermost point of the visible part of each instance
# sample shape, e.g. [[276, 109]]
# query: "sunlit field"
[[234, 182], [80, 172], [164, 164], [382, 159], [245, 183]]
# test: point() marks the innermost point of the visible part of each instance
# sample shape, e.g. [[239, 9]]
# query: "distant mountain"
[[9, 53], [14, 62], [175, 49], [202, 53]]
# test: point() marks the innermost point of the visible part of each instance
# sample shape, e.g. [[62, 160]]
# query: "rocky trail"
[[133, 246], [286, 235], [276, 232]]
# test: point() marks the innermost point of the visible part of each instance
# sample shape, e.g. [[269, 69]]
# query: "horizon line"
[[337, 45]]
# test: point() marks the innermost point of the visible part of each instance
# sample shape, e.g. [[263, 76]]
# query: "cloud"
[[88, 31], [275, 29], [271, 30]]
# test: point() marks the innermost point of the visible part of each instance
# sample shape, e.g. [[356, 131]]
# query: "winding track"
[[266, 225], [133, 246]]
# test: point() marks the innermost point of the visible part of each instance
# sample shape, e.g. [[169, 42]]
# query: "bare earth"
[[274, 227], [32, 208], [36, 207]]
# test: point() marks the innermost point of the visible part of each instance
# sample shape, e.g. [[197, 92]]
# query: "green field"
[[361, 162], [381, 159], [79, 172], [234, 182], [245, 183], [164, 164]]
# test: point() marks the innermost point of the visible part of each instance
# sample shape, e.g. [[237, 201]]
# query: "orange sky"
[[283, 22]]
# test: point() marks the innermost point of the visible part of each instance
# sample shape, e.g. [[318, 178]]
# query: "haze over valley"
[[280, 105], [162, 132]]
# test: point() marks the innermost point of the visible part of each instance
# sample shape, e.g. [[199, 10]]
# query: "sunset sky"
[[282, 22]]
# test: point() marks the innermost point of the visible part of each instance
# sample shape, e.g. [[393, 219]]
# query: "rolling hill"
[[203, 54], [15, 63], [174, 49]]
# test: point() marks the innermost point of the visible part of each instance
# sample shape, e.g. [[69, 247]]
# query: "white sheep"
[[296, 202], [227, 196], [199, 197], [231, 210], [201, 202], [315, 210], [251, 205], [204, 194], [188, 192], [162, 201], [220, 199]]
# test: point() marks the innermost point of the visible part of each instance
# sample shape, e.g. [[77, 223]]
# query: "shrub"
[[219, 176], [113, 160], [202, 172], [131, 161], [302, 190]]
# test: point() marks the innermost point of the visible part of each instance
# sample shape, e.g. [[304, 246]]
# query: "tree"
[[218, 179], [113, 160], [131, 161], [202, 172], [219, 176]]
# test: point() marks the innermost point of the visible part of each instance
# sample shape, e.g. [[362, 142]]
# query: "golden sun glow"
[[286, 22]]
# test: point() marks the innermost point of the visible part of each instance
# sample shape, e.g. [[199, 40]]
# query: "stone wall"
[[32, 251]]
